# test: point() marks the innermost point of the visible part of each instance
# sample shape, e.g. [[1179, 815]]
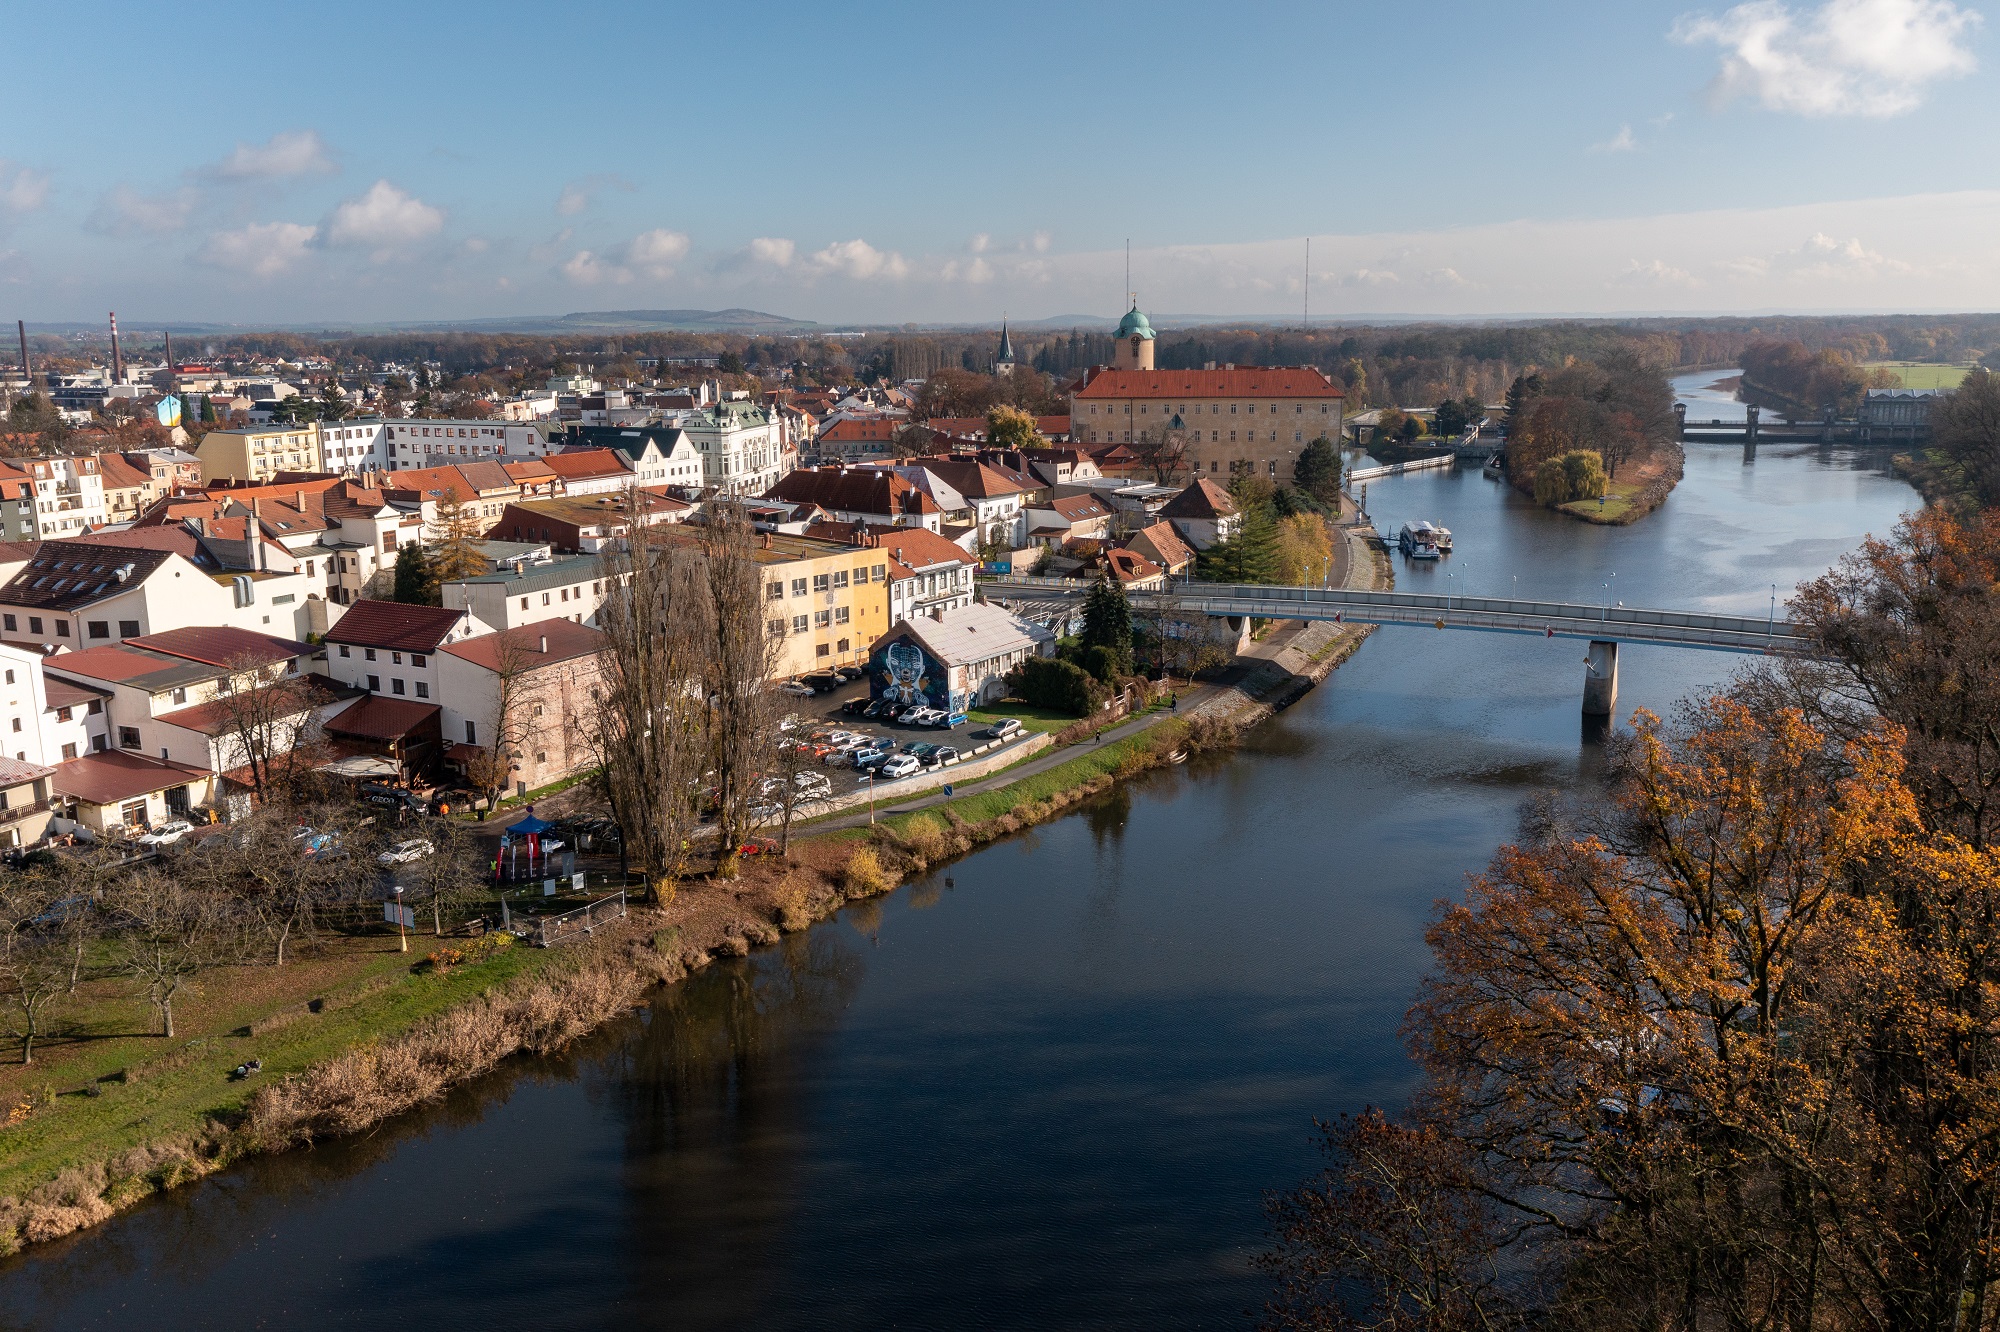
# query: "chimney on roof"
[[302, 501], [117, 360], [545, 645], [257, 507], [937, 613]]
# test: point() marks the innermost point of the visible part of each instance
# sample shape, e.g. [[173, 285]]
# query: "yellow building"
[[258, 454], [826, 602]]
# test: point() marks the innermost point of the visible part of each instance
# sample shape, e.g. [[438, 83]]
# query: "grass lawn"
[[1922, 374], [1031, 717], [1618, 498], [187, 1079]]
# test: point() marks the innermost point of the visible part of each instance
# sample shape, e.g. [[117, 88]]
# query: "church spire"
[[1004, 362]]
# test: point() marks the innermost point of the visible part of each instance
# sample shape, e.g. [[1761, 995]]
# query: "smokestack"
[[27, 372], [173, 380], [117, 360]]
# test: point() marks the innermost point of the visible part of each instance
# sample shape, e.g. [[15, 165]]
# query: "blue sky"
[[933, 162]]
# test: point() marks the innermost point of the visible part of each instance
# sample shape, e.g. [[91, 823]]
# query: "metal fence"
[[554, 929]]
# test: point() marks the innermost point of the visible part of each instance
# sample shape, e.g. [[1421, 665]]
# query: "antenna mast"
[[1309, 285]]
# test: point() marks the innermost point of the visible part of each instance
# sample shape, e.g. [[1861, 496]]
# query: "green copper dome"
[[1134, 325]]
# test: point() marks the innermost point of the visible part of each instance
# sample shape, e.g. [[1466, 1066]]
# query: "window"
[[822, 650], [819, 582], [309, 568], [374, 684], [840, 615], [396, 684], [95, 706], [9, 623], [471, 733], [841, 645], [423, 690], [369, 653], [538, 710], [284, 599], [840, 578], [821, 619], [34, 624], [417, 659], [798, 624], [881, 573], [128, 737], [179, 695], [1213, 465], [565, 594], [99, 628], [524, 603], [1274, 467], [798, 587], [63, 715], [775, 628], [1298, 436], [541, 756], [69, 750], [395, 659], [344, 652], [128, 628]]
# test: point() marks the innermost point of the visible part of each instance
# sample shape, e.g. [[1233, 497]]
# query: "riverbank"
[[82, 1154], [1644, 488]]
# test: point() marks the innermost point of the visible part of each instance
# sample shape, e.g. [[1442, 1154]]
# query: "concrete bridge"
[[1603, 627]]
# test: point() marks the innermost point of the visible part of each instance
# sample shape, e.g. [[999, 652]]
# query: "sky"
[[875, 164]]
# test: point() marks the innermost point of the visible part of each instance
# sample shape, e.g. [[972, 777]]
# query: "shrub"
[[863, 874], [1584, 470], [926, 840], [1059, 686], [472, 950]]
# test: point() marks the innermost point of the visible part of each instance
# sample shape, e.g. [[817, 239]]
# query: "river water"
[[1045, 1087]]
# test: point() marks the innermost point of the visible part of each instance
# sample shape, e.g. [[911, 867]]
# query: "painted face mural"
[[906, 673]]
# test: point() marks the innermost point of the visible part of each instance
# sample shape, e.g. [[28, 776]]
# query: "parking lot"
[[839, 736]]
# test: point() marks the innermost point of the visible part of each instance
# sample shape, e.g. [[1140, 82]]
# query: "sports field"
[[1922, 374]]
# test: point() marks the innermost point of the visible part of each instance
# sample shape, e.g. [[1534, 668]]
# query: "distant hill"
[[627, 321]]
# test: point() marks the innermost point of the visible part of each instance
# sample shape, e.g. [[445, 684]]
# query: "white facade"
[[68, 498], [370, 444], [565, 588], [742, 450], [33, 727]]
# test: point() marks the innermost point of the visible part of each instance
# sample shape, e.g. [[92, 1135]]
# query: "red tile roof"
[[863, 430], [530, 647], [391, 624], [379, 718], [1131, 567], [587, 464], [1203, 499], [1284, 381], [853, 490], [222, 645], [107, 778]]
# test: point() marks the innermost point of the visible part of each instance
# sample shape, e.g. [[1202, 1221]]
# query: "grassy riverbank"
[[1643, 488]]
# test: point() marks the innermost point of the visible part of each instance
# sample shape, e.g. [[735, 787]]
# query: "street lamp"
[[1771, 622], [402, 939]]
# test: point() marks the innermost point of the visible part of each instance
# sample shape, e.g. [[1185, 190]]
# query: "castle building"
[[1216, 422]]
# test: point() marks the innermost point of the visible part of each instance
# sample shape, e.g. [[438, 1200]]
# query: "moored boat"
[[1418, 540]]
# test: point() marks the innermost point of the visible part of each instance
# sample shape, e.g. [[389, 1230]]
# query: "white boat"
[[1496, 464], [1418, 540], [1441, 536]]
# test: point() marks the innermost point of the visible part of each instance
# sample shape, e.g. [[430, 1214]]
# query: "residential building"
[[953, 659], [1134, 572], [1161, 544], [481, 488], [591, 471], [118, 794], [585, 523], [854, 438], [532, 688], [1070, 518], [48, 498], [43, 718], [25, 789], [90, 590], [873, 495], [742, 449], [418, 443], [1203, 514], [973, 494], [259, 453], [525, 591], [389, 648], [127, 489], [823, 601]]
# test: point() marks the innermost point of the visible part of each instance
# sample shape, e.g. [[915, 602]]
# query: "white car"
[[813, 786], [900, 766], [797, 690], [402, 853], [167, 833]]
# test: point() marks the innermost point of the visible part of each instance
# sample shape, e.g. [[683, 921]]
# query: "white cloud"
[[1847, 57], [385, 217], [859, 260], [577, 194], [1656, 273], [1822, 258], [1621, 142], [1041, 241], [262, 249], [979, 243], [1366, 277], [573, 200], [22, 189], [976, 271], [124, 211], [287, 153], [650, 254], [654, 253], [773, 250]]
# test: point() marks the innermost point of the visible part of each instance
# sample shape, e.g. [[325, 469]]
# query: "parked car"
[[921, 749], [902, 765], [166, 834], [917, 716], [812, 785], [765, 810], [941, 755], [402, 853], [797, 690], [876, 707], [1002, 729], [822, 681], [855, 707], [849, 674], [950, 721], [869, 755]]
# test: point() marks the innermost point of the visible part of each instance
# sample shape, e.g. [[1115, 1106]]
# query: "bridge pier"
[[1600, 679]]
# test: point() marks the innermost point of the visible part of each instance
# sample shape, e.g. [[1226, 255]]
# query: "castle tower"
[[1135, 342]]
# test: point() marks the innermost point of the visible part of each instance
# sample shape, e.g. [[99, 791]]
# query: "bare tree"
[[1164, 451], [648, 730], [454, 540], [270, 716], [282, 874], [741, 652], [168, 933], [449, 878], [36, 962], [509, 726], [788, 757]]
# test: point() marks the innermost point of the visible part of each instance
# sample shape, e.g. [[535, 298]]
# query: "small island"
[[1596, 440]]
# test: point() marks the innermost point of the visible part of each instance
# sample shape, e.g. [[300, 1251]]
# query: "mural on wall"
[[903, 672]]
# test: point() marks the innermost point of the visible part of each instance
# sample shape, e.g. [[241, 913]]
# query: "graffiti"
[[908, 681]]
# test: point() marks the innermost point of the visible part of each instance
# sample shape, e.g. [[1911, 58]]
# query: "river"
[[1044, 1087]]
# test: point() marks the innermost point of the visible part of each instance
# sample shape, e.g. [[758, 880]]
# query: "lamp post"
[[1771, 621], [402, 939]]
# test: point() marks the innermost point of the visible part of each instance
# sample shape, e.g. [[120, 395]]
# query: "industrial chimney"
[[27, 373], [117, 360]]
